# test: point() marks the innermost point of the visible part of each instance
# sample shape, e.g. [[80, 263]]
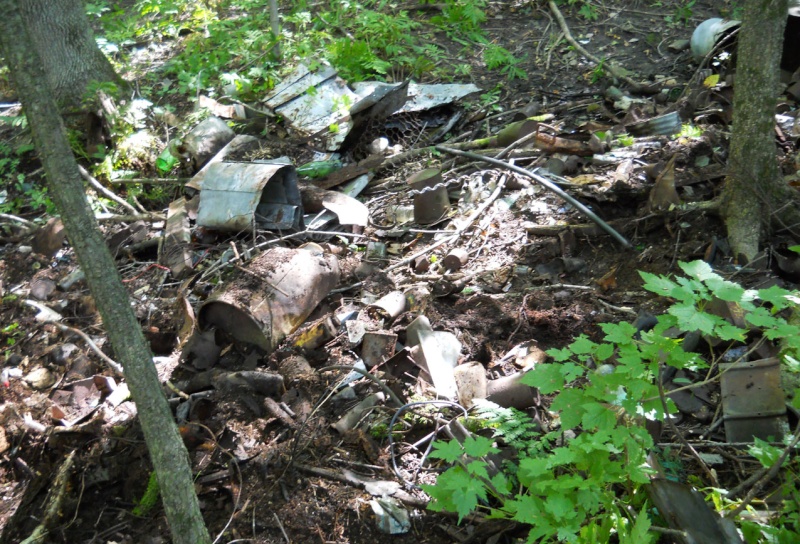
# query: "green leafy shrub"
[[230, 46], [17, 193], [462, 19], [582, 480], [356, 60], [499, 58]]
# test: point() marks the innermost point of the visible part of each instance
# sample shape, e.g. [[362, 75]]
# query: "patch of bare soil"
[[270, 466]]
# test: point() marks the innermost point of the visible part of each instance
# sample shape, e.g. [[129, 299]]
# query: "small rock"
[[679, 45], [49, 239], [41, 378], [61, 354], [71, 279], [42, 288]]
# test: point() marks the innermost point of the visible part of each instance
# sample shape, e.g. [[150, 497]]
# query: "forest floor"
[[538, 273]]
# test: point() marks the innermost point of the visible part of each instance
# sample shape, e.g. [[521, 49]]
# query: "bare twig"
[[679, 435], [459, 231], [238, 495], [24, 222], [513, 145], [383, 386], [105, 192], [548, 185], [151, 181], [115, 218], [55, 502], [635, 85], [760, 478], [280, 526], [115, 366], [709, 379]]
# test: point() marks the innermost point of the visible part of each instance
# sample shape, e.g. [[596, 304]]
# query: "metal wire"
[[391, 426]]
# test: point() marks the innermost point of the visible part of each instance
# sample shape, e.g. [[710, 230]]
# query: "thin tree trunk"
[[60, 33], [754, 186], [168, 454], [275, 26]]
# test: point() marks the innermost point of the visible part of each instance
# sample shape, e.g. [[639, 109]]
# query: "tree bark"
[[60, 34], [167, 451], [754, 189]]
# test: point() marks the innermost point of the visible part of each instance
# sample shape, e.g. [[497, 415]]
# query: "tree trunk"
[[167, 451], [754, 187], [60, 33]]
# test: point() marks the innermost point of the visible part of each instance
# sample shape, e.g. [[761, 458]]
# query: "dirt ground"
[[538, 272]]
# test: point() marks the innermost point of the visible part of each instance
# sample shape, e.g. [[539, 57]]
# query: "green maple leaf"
[[698, 269], [479, 446], [449, 452], [546, 378], [691, 319]]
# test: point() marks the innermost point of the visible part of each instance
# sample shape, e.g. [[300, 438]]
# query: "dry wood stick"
[[635, 85]]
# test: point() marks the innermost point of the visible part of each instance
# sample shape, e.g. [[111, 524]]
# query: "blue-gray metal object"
[[237, 196]]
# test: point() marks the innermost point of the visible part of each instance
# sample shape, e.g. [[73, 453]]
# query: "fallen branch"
[[372, 377], [350, 478], [760, 478], [151, 181], [55, 502], [115, 366], [459, 231], [615, 71], [115, 218], [682, 439], [24, 222], [548, 185], [105, 192]]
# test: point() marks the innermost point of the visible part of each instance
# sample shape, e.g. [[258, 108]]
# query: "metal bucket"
[[752, 400], [432, 202], [237, 196], [278, 291]]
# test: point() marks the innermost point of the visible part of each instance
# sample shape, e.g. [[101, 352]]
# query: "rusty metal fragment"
[[753, 401], [273, 296]]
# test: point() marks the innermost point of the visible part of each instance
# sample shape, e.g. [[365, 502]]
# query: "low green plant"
[[514, 427], [682, 14], [690, 131], [17, 193], [380, 431], [582, 480], [462, 70], [599, 72], [12, 333], [96, 9], [461, 20], [356, 60], [588, 12], [150, 497], [364, 39], [490, 98], [625, 140], [499, 58]]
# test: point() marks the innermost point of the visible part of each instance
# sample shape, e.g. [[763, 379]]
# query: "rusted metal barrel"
[[276, 293]]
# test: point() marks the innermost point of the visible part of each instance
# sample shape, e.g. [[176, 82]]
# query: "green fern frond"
[[516, 428]]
